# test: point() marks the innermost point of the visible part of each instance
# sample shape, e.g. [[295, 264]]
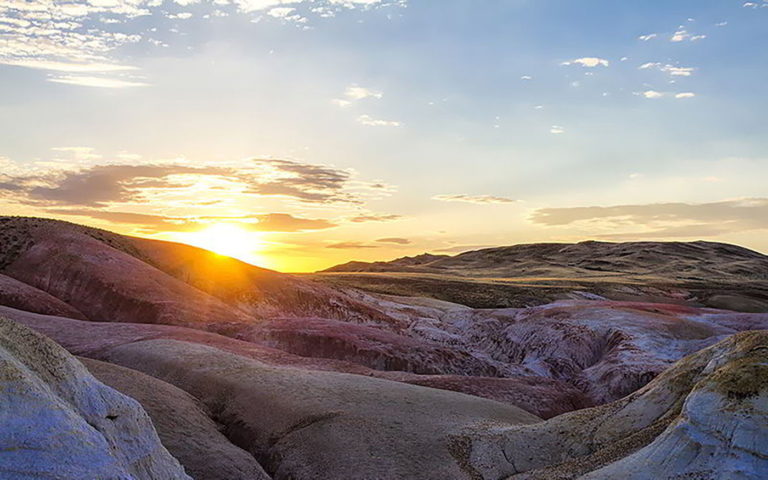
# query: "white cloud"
[[652, 94], [339, 102], [375, 122], [61, 37], [556, 129], [679, 36], [670, 69], [281, 12], [261, 5], [248, 6], [685, 95], [88, 81], [355, 92], [355, 3], [647, 37], [682, 35], [181, 16], [78, 36], [589, 62]]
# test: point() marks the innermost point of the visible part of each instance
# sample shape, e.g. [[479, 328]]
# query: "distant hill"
[[698, 273], [680, 260]]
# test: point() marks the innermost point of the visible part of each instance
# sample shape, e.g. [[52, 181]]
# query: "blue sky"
[[434, 125]]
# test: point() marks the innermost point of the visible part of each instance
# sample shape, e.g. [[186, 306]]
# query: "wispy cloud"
[[350, 245], [102, 184], [654, 94], [303, 181], [268, 222], [69, 67], [356, 92], [673, 70], [480, 199], [462, 248], [283, 222], [395, 240], [661, 220], [375, 217], [91, 81]]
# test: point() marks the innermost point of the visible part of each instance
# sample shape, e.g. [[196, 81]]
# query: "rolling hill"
[[250, 373]]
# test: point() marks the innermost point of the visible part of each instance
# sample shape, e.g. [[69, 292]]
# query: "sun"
[[228, 239]]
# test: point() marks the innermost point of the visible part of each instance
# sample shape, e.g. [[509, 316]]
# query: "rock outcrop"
[[183, 425], [57, 421], [373, 347], [606, 349], [706, 418]]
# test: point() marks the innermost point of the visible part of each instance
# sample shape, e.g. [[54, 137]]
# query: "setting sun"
[[227, 239]]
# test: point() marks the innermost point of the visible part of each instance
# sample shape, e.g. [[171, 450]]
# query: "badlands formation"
[[127, 358]]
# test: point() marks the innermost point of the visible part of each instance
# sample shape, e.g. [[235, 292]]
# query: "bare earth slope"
[[109, 277], [308, 425], [541, 396], [16, 294], [105, 283]]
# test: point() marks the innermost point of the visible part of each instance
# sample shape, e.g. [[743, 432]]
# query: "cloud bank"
[[660, 220]]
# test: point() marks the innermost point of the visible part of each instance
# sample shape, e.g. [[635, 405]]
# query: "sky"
[[297, 135]]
